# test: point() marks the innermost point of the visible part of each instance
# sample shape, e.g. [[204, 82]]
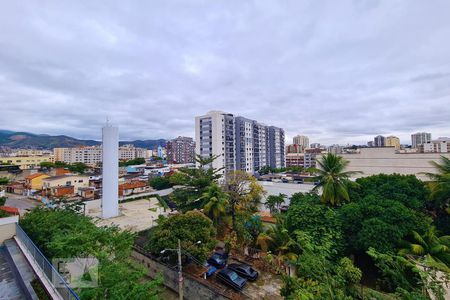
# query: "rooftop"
[[62, 176]]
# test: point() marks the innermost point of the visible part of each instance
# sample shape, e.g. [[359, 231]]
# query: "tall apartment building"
[[393, 141], [441, 145], [420, 138], [92, 155], [276, 147], [181, 150], [379, 141], [239, 143], [301, 140]]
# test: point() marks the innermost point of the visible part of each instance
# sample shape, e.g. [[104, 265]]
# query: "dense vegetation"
[[63, 233], [160, 183], [132, 162], [377, 231], [379, 237], [77, 167], [4, 180], [194, 229]]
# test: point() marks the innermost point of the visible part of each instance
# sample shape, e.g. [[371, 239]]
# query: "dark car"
[[244, 270], [224, 254], [231, 278], [217, 261]]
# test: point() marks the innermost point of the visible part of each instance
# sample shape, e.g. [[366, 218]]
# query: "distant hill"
[[28, 140]]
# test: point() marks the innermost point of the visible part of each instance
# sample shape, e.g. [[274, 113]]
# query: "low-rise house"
[[16, 188], [34, 181], [134, 187], [60, 191], [87, 193], [53, 186]]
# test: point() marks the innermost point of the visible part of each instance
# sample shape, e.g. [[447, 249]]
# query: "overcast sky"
[[337, 71]]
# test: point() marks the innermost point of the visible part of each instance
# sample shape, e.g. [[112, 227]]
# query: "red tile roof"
[[132, 185], [30, 177], [9, 209]]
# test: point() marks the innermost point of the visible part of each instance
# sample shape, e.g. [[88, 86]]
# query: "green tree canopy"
[[160, 182], [65, 233], [244, 192], [195, 182], [406, 189], [216, 203], [132, 162], [379, 223], [274, 202], [190, 228], [307, 213]]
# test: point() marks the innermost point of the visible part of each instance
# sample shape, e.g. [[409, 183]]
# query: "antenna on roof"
[[107, 120]]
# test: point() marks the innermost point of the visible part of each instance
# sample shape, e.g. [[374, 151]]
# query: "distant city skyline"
[[338, 72], [288, 139]]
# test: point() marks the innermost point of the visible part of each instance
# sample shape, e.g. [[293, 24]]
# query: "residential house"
[[34, 181], [130, 188]]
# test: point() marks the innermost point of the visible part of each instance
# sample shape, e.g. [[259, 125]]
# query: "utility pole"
[[180, 272]]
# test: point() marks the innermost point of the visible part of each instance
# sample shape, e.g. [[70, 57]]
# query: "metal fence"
[[58, 283]]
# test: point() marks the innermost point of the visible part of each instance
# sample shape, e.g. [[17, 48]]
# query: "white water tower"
[[110, 184]]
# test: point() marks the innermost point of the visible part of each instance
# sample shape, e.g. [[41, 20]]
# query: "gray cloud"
[[341, 72]]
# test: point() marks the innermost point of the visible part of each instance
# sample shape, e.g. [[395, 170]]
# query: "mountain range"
[[26, 140]]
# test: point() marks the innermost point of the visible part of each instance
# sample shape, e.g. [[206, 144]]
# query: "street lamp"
[[180, 271]]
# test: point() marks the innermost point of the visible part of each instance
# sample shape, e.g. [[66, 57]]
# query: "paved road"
[[21, 202]]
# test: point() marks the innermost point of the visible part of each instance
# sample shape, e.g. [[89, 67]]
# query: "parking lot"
[[267, 286]]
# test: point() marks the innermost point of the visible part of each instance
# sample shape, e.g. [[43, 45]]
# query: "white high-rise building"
[[420, 138], [110, 176], [214, 137], [239, 143]]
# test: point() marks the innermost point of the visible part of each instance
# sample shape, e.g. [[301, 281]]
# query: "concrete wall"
[[8, 228], [192, 288], [373, 161]]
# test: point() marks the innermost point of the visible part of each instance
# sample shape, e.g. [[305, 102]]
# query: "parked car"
[[244, 270], [231, 278], [224, 254], [217, 261], [210, 270]]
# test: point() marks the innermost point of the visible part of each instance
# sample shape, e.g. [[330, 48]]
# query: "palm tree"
[[216, 203], [440, 185], [333, 179], [281, 243], [273, 203], [432, 250]]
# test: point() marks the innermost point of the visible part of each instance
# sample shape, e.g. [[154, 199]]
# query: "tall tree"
[[273, 203], [194, 183], [216, 203], [333, 179], [244, 193], [190, 228]]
